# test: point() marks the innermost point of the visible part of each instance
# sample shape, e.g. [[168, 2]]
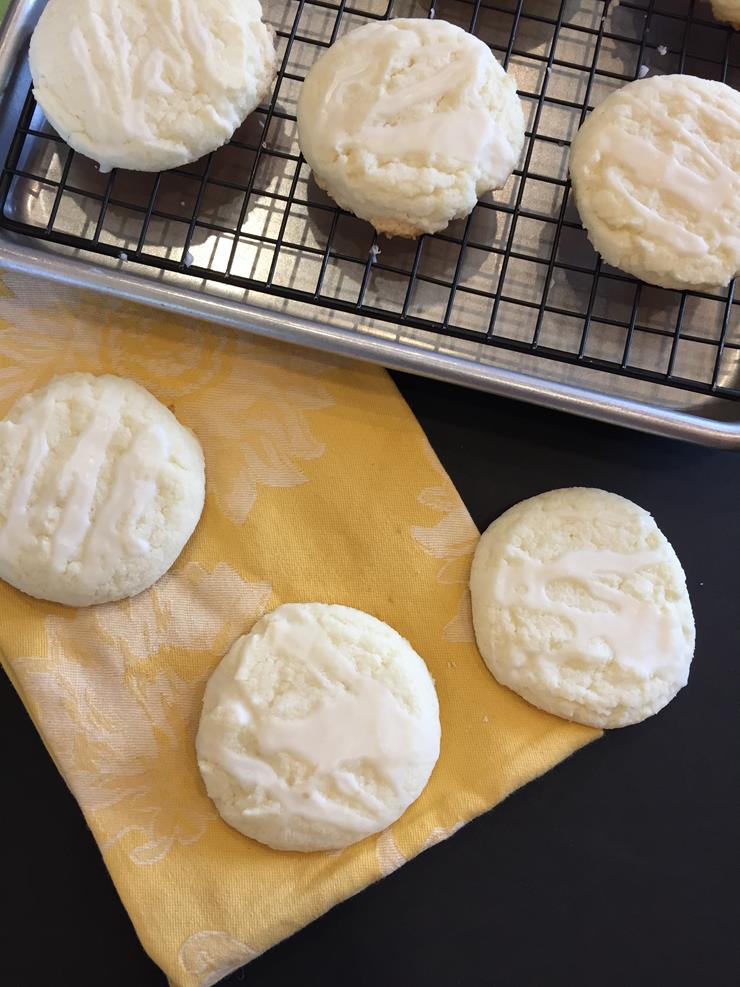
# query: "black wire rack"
[[517, 274]]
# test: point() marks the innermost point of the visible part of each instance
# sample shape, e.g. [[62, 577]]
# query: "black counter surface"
[[619, 867]]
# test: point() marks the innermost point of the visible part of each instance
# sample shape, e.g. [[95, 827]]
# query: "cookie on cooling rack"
[[407, 122], [319, 728], [580, 606], [100, 489], [656, 175], [150, 86], [727, 10]]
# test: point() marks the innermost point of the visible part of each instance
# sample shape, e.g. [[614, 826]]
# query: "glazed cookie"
[[580, 606], [147, 85], [656, 176], [319, 727], [407, 122], [727, 10], [100, 489]]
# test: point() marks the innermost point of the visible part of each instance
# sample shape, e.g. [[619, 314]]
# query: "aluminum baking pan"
[[511, 301]]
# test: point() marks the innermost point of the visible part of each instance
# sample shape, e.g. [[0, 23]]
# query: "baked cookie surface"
[[580, 606], [100, 489], [147, 85], [656, 176], [319, 728], [407, 122]]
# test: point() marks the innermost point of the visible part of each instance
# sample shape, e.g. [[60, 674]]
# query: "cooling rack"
[[512, 299]]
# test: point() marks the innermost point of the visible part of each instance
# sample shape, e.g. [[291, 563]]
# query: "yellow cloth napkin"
[[320, 486]]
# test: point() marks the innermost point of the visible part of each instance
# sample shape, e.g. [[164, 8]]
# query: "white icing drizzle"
[[359, 719], [78, 481], [127, 109], [303, 799], [383, 127], [15, 530], [707, 195], [92, 535], [662, 170], [134, 487], [363, 720], [682, 240], [637, 634], [124, 99], [193, 36], [724, 121]]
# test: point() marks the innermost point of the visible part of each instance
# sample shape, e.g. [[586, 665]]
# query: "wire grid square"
[[518, 273]]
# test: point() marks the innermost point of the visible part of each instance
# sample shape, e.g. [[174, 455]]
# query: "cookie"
[[727, 10], [146, 85], [100, 489], [580, 606], [407, 122], [319, 727], [656, 175]]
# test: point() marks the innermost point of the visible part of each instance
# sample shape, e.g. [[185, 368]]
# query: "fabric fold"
[[320, 486]]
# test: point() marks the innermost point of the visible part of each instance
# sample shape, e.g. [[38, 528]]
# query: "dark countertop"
[[619, 867]]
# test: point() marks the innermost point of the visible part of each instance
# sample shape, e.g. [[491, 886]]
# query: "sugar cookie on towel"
[[319, 727], [656, 175], [580, 605], [100, 489], [407, 122], [727, 10], [148, 85]]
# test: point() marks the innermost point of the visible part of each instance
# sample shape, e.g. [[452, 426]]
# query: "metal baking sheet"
[[513, 300]]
